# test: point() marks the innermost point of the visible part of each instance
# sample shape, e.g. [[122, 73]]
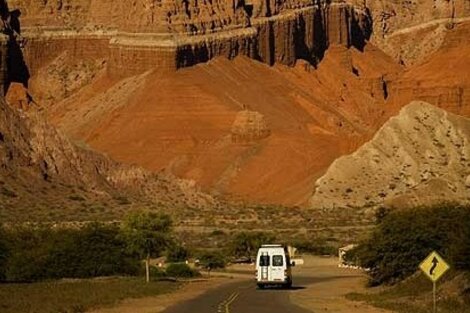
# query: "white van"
[[273, 266]]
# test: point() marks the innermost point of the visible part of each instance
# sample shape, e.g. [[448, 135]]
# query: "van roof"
[[271, 246]]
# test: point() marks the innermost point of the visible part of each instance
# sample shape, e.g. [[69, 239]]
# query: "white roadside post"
[[434, 266]]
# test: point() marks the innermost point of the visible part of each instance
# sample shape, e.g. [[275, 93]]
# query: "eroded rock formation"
[[419, 157], [136, 36], [337, 90], [409, 30], [40, 168], [249, 126]]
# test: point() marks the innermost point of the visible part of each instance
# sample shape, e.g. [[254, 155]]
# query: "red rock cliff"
[[143, 34]]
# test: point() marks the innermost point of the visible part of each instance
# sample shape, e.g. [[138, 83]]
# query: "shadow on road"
[[275, 288]]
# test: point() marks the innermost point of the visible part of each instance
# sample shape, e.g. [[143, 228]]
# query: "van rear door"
[[263, 267], [278, 267]]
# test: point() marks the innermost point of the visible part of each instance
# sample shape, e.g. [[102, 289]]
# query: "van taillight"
[[285, 273]]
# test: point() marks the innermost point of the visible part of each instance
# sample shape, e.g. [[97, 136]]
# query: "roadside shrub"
[[246, 244], [177, 253], [404, 238], [44, 253], [181, 270], [315, 246], [155, 272], [212, 260], [28, 253], [95, 250]]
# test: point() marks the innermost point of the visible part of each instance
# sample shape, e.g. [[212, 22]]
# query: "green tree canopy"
[[404, 238], [246, 244], [147, 235], [212, 260]]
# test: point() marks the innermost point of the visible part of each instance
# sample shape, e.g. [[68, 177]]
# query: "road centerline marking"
[[227, 305], [224, 306]]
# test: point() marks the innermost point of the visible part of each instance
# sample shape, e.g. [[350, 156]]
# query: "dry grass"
[[414, 295], [76, 296]]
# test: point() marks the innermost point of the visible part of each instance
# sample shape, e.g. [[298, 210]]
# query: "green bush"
[[404, 238], [95, 250], [315, 246], [28, 252], [212, 260], [155, 272], [181, 270], [44, 253], [177, 253], [246, 244]]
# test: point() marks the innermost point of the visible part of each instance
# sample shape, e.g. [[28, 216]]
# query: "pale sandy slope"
[[419, 157]]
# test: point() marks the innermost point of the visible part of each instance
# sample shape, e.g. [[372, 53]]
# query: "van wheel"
[[288, 285], [261, 286]]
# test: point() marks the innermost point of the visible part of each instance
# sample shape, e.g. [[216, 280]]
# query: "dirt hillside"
[[419, 157], [206, 95], [43, 176], [189, 122]]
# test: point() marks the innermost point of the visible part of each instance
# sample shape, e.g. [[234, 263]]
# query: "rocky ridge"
[[419, 157], [144, 34], [38, 162], [410, 30], [336, 92]]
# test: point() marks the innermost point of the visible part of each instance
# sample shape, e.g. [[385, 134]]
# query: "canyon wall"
[[71, 14], [410, 30], [271, 34], [135, 36]]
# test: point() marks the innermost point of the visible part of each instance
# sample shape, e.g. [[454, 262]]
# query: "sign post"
[[434, 266]]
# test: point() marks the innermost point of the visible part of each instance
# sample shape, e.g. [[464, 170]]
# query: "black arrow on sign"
[[435, 261]]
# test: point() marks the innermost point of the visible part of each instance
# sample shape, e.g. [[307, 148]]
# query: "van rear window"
[[278, 260], [264, 260]]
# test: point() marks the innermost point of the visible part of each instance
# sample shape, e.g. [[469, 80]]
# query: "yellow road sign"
[[434, 266]]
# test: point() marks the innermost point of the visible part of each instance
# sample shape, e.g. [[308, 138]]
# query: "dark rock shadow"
[[17, 69]]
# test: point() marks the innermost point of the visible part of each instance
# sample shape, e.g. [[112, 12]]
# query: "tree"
[[94, 250], [246, 244], [404, 238], [28, 253], [212, 260], [147, 235], [177, 253], [37, 253]]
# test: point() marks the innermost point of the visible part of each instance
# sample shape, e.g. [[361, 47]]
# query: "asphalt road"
[[244, 297]]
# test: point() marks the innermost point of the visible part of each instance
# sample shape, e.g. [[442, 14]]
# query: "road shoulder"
[[188, 291], [327, 292]]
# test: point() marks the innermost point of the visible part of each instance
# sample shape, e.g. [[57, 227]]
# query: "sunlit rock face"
[[138, 35], [419, 157]]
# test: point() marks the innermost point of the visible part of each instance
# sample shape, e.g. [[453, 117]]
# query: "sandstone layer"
[[419, 157], [442, 79], [410, 30], [136, 36]]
